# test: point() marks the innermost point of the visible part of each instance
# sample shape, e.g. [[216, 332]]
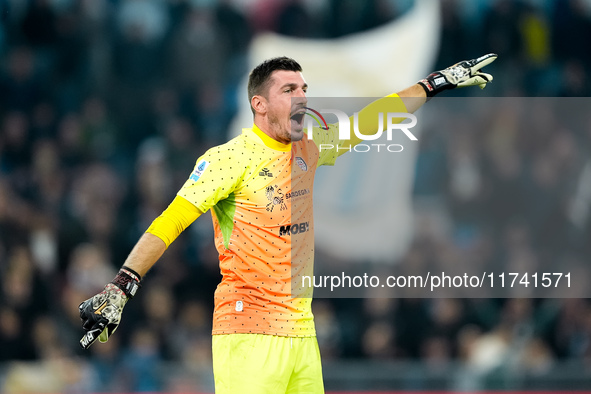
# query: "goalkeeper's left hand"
[[465, 73]]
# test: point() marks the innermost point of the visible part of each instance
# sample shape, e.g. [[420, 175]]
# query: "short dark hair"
[[260, 76]]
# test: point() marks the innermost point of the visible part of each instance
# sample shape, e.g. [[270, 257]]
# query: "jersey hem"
[[276, 334]]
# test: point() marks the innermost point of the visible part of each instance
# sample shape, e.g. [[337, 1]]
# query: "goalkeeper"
[[264, 339]]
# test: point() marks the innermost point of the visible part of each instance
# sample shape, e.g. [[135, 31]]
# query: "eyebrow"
[[293, 85]]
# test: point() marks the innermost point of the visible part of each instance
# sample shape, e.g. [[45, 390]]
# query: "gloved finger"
[[83, 307], [107, 332], [90, 316], [100, 325], [93, 334], [88, 339], [482, 61], [486, 76], [88, 324], [104, 336], [475, 80]]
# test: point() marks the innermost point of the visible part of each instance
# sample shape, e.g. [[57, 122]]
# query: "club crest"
[[301, 163]]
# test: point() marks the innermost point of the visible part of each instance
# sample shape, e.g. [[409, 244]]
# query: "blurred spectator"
[[293, 20], [436, 352], [138, 62], [13, 337], [19, 82], [575, 80], [99, 133], [160, 312], [502, 35], [197, 38], [378, 341], [89, 270], [71, 63], [16, 154], [237, 34], [140, 361], [536, 36], [181, 148], [328, 330], [454, 35], [571, 22], [106, 364], [43, 121], [211, 113]]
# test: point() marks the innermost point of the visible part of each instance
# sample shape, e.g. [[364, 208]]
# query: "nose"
[[300, 97]]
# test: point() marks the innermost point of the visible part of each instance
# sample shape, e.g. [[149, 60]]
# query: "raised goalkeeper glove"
[[464, 73], [101, 314]]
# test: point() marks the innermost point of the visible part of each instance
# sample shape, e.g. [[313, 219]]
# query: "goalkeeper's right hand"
[[101, 314]]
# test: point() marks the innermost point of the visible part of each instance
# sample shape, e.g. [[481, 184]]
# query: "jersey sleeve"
[[216, 175], [328, 143], [174, 220]]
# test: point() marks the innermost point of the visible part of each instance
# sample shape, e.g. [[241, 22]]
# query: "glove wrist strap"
[[435, 83], [128, 281], [427, 87]]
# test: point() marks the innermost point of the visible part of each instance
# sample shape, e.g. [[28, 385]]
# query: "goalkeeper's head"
[[260, 77], [277, 96]]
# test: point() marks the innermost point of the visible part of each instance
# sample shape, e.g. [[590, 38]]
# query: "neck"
[[266, 127], [270, 142]]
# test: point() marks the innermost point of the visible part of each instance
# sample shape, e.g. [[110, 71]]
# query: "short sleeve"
[[327, 142], [216, 175]]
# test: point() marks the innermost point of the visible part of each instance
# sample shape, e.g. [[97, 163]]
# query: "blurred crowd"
[[106, 104]]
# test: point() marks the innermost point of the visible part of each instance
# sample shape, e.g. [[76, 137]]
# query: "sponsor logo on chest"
[[292, 229]]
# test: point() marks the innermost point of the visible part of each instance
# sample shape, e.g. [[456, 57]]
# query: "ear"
[[259, 104]]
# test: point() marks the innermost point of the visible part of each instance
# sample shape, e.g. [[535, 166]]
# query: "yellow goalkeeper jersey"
[[260, 194]]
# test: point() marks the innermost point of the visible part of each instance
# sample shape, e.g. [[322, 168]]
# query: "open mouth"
[[299, 117]]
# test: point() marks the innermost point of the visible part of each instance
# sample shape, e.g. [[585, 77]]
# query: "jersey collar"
[[270, 142]]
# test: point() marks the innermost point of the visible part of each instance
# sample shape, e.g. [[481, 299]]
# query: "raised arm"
[[462, 74]]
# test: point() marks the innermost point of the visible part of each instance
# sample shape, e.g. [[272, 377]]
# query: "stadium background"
[[105, 105]]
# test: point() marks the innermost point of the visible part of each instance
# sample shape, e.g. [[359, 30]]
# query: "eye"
[[287, 91]]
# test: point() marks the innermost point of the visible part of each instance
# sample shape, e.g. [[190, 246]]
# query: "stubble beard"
[[281, 132]]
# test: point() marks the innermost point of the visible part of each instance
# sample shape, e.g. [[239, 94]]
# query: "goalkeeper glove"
[[465, 73], [101, 314]]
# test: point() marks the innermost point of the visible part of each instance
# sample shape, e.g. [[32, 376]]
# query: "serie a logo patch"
[[199, 170]]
